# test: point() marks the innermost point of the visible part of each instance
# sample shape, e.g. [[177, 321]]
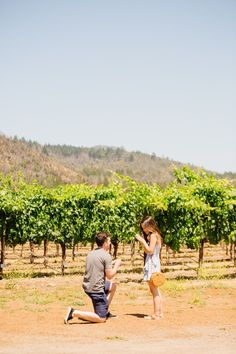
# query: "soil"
[[201, 318]]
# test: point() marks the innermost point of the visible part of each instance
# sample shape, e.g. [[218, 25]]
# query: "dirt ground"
[[199, 317]]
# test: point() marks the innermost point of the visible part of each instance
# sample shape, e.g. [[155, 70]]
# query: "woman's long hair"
[[149, 222]]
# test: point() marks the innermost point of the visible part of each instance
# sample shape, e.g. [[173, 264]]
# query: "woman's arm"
[[149, 249]]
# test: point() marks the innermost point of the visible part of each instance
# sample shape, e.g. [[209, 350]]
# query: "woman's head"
[[148, 226]]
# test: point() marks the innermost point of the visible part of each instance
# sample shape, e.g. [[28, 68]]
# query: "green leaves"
[[196, 206]]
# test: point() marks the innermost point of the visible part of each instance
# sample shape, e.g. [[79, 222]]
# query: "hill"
[[21, 156], [57, 164]]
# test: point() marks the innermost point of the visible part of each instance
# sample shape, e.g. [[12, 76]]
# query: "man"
[[101, 291]]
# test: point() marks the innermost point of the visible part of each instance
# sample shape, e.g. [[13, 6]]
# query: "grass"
[[3, 302], [19, 267], [11, 285], [174, 287], [33, 309], [39, 294], [16, 274], [115, 338], [38, 297], [43, 296], [197, 298], [215, 272], [216, 284]]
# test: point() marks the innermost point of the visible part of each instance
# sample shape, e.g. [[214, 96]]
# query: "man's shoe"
[[69, 315], [110, 315]]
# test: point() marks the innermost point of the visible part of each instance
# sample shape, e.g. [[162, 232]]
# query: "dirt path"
[[199, 318]]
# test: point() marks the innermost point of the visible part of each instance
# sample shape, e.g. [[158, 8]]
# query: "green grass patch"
[[174, 287], [197, 298], [215, 272], [3, 302], [112, 338]]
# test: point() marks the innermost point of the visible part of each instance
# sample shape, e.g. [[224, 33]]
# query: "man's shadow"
[[84, 322], [81, 322], [139, 315]]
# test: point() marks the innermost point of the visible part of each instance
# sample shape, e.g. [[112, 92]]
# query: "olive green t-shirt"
[[96, 262]]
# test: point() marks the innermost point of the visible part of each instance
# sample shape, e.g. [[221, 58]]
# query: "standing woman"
[[151, 242]]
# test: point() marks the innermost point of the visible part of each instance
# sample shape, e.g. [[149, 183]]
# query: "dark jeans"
[[99, 300]]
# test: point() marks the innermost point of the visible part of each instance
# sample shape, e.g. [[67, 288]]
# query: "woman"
[[151, 242]]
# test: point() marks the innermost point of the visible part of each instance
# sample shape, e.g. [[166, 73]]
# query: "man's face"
[[107, 244]]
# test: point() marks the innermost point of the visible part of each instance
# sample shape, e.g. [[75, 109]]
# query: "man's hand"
[[116, 263], [110, 273]]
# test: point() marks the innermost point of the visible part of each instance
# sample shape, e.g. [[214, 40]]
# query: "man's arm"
[[111, 272]]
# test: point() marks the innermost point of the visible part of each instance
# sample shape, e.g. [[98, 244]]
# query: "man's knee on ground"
[[102, 319]]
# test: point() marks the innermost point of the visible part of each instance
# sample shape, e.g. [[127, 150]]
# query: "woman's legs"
[[157, 300]]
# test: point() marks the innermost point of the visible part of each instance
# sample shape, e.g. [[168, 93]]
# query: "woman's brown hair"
[[148, 221]]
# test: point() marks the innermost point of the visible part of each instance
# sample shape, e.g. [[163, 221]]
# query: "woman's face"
[[146, 229]]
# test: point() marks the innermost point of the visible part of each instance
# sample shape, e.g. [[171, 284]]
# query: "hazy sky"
[[158, 76]]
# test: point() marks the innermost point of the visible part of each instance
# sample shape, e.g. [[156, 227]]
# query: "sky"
[[156, 76]]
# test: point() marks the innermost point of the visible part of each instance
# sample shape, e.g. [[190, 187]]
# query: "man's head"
[[103, 240]]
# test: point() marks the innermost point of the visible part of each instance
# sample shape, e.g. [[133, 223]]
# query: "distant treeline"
[[52, 165]]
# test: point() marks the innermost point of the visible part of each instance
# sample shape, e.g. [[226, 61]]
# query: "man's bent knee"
[[113, 287], [102, 319]]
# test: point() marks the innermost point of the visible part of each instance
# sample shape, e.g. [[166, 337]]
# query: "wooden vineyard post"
[[73, 251], [63, 257], [57, 250], [2, 254], [115, 246], [21, 251], [167, 255], [132, 252], [235, 253], [201, 249], [45, 251], [31, 252]]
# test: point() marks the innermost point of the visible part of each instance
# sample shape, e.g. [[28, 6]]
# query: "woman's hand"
[[138, 238]]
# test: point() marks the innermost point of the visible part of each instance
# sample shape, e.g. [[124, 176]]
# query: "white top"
[[152, 263]]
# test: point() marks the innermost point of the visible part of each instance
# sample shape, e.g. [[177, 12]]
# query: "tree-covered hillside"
[[59, 164]]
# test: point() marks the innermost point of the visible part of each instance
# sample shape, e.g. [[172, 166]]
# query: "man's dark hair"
[[101, 237]]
